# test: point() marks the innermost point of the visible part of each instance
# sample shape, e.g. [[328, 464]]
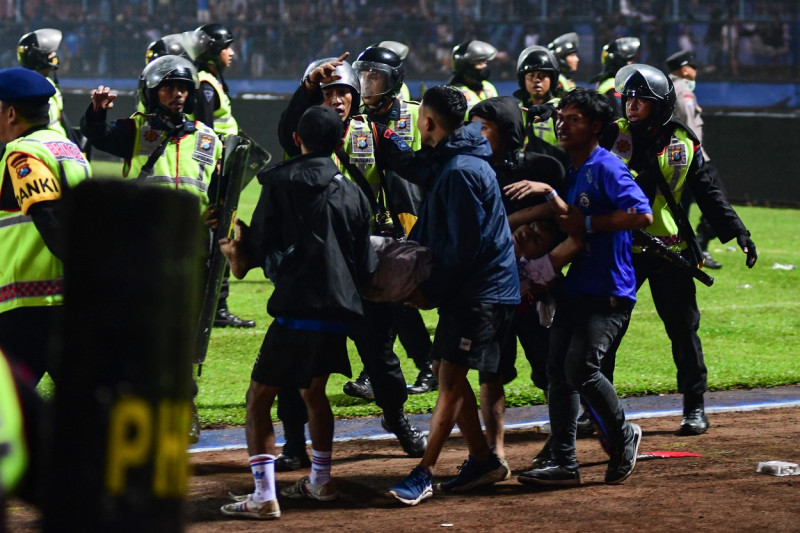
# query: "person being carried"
[[320, 222]]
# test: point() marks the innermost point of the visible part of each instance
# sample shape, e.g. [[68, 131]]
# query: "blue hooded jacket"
[[462, 219]]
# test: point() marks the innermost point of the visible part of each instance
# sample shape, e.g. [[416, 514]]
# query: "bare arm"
[[236, 251]]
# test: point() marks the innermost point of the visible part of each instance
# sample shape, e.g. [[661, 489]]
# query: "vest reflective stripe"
[[566, 83], [13, 221], [546, 131], [178, 182], [56, 108], [177, 167], [606, 85], [224, 122], [487, 91], [31, 289], [12, 432], [664, 226], [30, 275]]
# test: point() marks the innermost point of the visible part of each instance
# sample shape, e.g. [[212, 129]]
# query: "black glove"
[[748, 247], [541, 113]]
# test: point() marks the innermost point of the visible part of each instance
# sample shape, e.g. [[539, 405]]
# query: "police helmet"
[[34, 49], [618, 53], [643, 81], [537, 58], [469, 53], [162, 69], [388, 67], [347, 76], [562, 46], [208, 42], [168, 45], [398, 48]]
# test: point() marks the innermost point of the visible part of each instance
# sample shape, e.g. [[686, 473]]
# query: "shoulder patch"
[[33, 181]]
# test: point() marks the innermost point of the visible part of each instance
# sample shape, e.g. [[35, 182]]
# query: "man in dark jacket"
[[319, 222], [502, 125], [475, 286]]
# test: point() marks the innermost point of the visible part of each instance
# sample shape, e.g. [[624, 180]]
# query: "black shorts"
[[472, 335], [293, 357]]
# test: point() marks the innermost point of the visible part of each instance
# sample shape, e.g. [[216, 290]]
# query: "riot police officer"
[[470, 62], [667, 158], [565, 48], [211, 47], [38, 50], [616, 55], [402, 51]]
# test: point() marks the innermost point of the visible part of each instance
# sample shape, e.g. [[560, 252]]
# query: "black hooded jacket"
[[517, 165], [321, 221]]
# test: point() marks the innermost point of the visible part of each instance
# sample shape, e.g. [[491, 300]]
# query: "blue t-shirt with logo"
[[601, 185]]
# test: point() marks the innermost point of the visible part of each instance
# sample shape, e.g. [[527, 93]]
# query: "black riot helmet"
[[397, 47], [380, 73], [209, 40], [537, 58], [34, 49], [163, 69], [562, 46], [468, 54], [619, 53], [168, 45], [643, 81]]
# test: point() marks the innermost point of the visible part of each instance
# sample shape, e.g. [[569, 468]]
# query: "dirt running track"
[[718, 492]]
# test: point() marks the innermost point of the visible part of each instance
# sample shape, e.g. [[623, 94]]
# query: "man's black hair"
[[35, 111], [448, 104], [320, 129], [591, 104]]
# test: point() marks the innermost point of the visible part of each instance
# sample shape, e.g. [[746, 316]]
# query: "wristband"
[[549, 196], [589, 224]]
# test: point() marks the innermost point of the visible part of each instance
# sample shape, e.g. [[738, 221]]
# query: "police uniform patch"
[[362, 148], [35, 181], [676, 154], [623, 146], [403, 128], [204, 148], [149, 139]]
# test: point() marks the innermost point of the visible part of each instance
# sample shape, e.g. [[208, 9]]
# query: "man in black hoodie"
[[502, 126], [319, 222]]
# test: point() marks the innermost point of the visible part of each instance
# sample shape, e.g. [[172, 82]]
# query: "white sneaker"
[[247, 508], [304, 489]]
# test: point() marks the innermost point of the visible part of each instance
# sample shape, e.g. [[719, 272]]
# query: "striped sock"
[[263, 469], [320, 467]]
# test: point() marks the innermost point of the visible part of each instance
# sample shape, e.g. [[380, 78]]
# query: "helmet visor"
[[644, 81], [155, 72], [373, 77], [49, 39]]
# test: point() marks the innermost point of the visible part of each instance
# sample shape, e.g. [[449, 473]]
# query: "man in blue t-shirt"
[[597, 296]]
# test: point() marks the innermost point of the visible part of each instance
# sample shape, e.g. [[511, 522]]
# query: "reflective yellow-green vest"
[[674, 162], [546, 130], [487, 91], [360, 144], [14, 458], [224, 122], [30, 275], [406, 125], [187, 163], [56, 108], [405, 93], [566, 83]]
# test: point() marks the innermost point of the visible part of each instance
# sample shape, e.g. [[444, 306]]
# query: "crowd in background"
[[733, 39]]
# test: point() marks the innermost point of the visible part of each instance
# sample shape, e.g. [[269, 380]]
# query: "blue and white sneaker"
[[416, 486], [473, 474]]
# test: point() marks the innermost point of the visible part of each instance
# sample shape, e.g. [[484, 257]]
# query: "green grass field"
[[749, 330]]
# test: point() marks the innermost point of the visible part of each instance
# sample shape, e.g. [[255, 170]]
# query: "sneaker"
[[551, 473], [225, 318], [543, 456], [287, 462], [304, 489], [411, 438], [585, 427], [247, 508], [621, 464], [416, 486], [426, 382], [473, 474], [360, 388]]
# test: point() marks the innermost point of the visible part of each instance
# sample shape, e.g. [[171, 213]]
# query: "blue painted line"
[[534, 416]]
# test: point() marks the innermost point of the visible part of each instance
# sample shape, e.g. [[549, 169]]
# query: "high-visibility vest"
[[487, 91], [30, 275], [56, 108], [674, 162], [187, 163], [566, 83], [14, 459], [224, 122]]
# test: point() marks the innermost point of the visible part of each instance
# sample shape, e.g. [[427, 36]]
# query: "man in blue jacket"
[[474, 285]]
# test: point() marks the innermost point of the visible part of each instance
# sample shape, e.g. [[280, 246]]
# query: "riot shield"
[[225, 195], [258, 160]]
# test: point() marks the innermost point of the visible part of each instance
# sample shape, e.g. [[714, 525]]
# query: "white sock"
[[263, 469], [320, 467]]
